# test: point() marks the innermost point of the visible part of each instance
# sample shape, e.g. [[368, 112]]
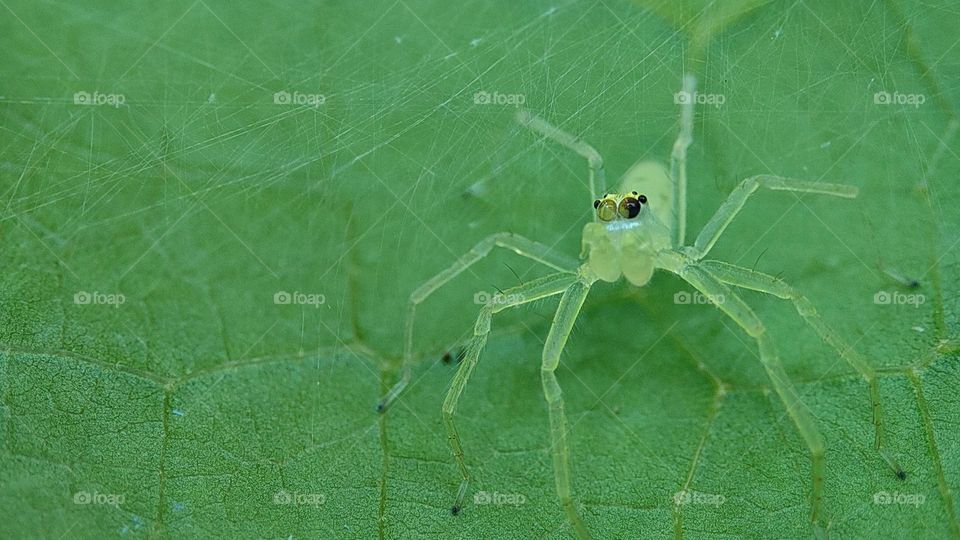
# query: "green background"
[[199, 399]]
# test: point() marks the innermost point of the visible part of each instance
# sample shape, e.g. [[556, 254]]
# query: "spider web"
[[167, 173]]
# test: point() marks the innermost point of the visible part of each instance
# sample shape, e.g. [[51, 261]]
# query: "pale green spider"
[[633, 234]]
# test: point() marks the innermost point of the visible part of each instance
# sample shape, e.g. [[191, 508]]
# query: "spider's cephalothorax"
[[625, 240]]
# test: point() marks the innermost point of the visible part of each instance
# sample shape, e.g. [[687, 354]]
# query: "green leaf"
[[153, 384]]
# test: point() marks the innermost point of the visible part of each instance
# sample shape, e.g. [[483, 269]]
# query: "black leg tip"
[[381, 407], [455, 510], [901, 474]]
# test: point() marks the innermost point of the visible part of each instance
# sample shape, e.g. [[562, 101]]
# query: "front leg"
[[534, 290], [758, 281], [738, 311], [513, 242], [567, 311]]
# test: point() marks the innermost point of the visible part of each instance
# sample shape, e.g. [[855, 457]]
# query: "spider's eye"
[[596, 203], [606, 209], [629, 207], [642, 199]]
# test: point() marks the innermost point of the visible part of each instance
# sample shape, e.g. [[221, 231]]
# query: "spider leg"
[[738, 197], [540, 288], [738, 311], [678, 160], [578, 145], [516, 243], [749, 279], [567, 311]]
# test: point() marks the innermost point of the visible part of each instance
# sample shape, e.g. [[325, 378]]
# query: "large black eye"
[[629, 207]]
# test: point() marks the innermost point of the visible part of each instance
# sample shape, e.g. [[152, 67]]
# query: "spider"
[[634, 232]]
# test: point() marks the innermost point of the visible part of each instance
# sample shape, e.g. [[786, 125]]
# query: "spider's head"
[[625, 240], [613, 206]]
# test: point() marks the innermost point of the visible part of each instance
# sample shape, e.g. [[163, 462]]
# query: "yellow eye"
[[629, 207], [606, 209]]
